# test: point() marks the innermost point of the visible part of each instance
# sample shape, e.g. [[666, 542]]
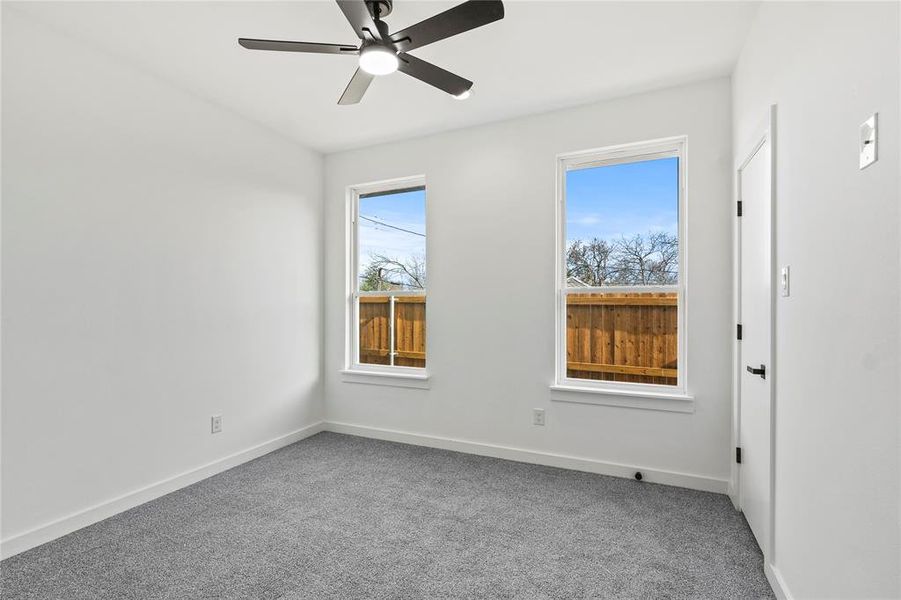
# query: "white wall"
[[161, 263], [828, 67], [491, 199]]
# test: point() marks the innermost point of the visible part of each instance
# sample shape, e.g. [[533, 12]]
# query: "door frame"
[[764, 133]]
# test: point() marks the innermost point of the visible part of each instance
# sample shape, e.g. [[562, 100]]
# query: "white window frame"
[[354, 369], [612, 155]]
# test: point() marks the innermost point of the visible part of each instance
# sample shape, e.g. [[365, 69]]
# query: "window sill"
[[647, 400], [404, 380]]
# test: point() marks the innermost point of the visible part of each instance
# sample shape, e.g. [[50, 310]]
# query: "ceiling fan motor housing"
[[379, 9]]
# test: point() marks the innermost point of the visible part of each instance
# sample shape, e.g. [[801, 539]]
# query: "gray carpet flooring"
[[337, 516]]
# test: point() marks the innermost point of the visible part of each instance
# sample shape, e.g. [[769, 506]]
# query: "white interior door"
[[755, 309]]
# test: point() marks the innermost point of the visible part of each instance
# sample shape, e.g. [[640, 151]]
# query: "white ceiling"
[[541, 56]]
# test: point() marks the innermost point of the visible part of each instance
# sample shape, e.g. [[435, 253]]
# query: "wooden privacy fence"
[[609, 336], [622, 337], [409, 330]]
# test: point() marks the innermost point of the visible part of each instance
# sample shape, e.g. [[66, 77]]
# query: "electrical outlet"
[[538, 416], [216, 424]]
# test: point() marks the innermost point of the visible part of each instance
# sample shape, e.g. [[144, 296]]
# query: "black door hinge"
[[738, 331], [739, 208], [738, 455], [761, 371]]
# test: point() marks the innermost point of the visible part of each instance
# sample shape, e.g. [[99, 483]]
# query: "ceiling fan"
[[381, 52]]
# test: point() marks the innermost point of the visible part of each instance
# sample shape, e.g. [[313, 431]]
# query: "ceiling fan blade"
[[358, 85], [458, 19], [357, 14], [432, 75], [297, 46]]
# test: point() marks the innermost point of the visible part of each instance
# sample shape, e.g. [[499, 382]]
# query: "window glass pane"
[[391, 234], [409, 330], [626, 337], [391, 253], [622, 229], [622, 224]]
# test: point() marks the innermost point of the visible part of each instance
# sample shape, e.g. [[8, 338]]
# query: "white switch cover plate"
[[216, 424], [538, 416], [784, 283], [868, 141]]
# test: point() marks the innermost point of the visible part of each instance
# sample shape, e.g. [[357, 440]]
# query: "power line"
[[383, 224]]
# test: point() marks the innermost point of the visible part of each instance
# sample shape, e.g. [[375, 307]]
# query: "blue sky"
[[622, 200], [406, 211]]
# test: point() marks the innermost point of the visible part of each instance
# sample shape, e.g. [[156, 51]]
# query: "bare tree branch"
[[651, 259], [385, 273]]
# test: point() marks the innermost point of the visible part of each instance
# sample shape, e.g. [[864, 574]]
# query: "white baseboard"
[[732, 492], [695, 482], [776, 582], [60, 527]]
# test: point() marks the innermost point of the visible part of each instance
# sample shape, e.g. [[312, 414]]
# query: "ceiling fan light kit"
[[378, 60], [381, 52]]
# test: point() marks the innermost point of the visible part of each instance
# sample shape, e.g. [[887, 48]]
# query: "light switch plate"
[[784, 282], [868, 141]]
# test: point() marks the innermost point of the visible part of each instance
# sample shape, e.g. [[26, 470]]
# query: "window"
[[621, 269], [388, 278]]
